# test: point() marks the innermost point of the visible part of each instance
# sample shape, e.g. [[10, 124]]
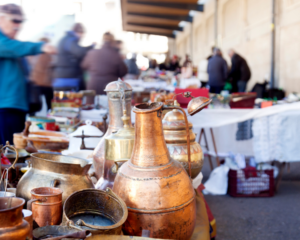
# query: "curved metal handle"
[[110, 192], [13, 149], [54, 182], [29, 203], [187, 134], [71, 224], [80, 222], [116, 167]]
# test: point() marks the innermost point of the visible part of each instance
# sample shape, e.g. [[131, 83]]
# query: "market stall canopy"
[[158, 17]]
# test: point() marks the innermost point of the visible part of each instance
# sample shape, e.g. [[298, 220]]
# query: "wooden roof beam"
[[171, 5], [170, 17], [177, 28]]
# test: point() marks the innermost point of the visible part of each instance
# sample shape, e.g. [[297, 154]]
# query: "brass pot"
[[70, 174], [100, 212], [118, 149], [175, 135], [156, 189], [115, 121], [12, 224]]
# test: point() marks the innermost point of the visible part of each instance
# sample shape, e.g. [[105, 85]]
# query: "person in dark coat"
[[217, 71], [68, 74], [133, 70], [240, 72], [174, 64], [104, 66]]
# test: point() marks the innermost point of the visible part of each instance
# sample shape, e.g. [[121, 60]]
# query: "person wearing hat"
[[68, 74], [13, 71]]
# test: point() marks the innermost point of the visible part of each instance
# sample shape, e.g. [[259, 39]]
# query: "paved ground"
[[275, 218]]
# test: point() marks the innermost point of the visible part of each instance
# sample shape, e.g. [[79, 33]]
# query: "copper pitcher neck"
[[150, 148]]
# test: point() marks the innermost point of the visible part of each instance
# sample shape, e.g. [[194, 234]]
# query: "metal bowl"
[[100, 212]]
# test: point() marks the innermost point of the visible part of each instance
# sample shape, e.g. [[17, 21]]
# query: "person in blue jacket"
[[13, 82]]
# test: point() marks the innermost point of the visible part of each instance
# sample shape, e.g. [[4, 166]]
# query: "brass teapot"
[[175, 136], [115, 122]]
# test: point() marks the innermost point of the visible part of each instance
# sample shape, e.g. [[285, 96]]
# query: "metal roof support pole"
[[272, 76], [216, 22], [192, 42]]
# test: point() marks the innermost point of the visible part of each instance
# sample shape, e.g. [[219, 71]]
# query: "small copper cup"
[[46, 206]]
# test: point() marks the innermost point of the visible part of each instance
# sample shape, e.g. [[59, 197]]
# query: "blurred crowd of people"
[[27, 66], [218, 72]]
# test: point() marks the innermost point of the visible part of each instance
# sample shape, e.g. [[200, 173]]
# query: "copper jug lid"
[[174, 127]]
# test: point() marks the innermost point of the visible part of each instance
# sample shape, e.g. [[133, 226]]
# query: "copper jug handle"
[[115, 168], [54, 182], [29, 203], [187, 133]]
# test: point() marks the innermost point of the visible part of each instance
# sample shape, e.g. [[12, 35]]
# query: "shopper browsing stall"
[[13, 71]]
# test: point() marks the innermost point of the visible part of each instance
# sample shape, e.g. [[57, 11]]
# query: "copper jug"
[[115, 121], [69, 174], [175, 135], [156, 189], [118, 149], [12, 224], [46, 206]]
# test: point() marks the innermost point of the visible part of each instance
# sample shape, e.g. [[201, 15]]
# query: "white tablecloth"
[[224, 124], [140, 85]]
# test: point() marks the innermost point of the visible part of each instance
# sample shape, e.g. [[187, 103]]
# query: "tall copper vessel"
[[175, 135], [156, 189], [115, 121], [12, 225]]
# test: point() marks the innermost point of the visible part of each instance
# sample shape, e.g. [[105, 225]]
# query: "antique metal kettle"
[[115, 121], [70, 174], [175, 136], [156, 189], [118, 149]]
